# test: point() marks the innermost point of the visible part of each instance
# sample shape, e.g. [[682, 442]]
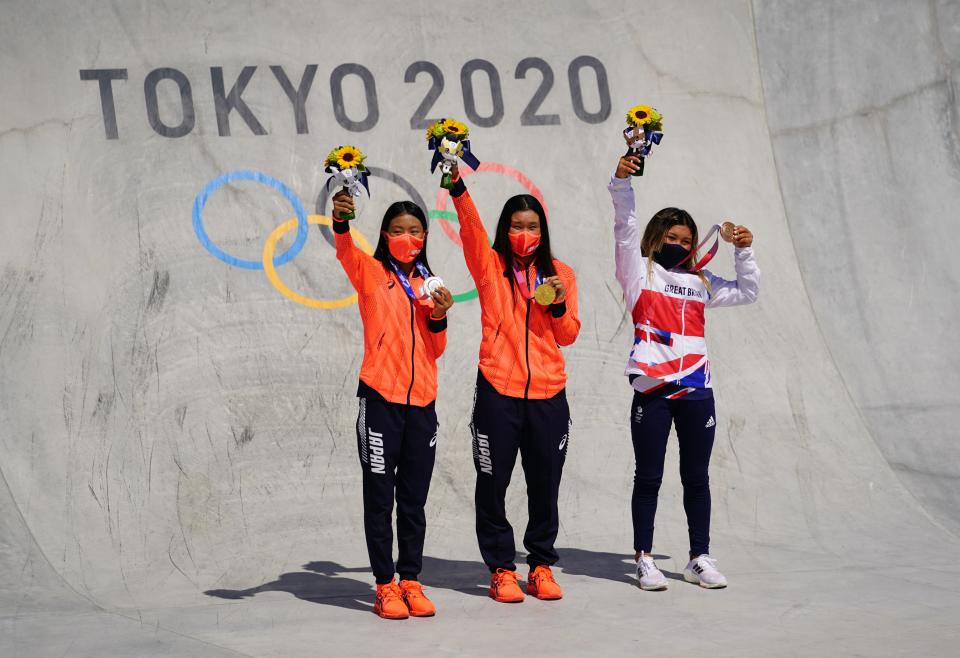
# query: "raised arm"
[[476, 243], [630, 264], [362, 269]]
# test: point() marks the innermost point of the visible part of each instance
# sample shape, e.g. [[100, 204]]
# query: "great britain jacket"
[[669, 353]]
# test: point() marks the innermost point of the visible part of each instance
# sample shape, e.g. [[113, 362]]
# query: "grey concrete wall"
[[862, 103]]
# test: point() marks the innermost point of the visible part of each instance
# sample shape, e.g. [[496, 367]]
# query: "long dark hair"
[[657, 229], [395, 209], [543, 257]]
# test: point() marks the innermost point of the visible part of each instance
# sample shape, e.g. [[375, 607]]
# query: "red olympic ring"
[[494, 167]]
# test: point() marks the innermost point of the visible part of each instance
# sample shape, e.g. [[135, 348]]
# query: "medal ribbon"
[[522, 282], [707, 257], [405, 282]]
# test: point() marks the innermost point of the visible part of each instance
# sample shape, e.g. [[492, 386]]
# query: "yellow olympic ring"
[[282, 288]]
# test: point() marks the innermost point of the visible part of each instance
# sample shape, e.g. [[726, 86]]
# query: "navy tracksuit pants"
[[695, 421], [397, 446], [539, 430]]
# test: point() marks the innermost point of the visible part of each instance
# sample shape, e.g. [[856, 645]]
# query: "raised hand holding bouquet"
[[644, 129], [346, 168], [449, 140]]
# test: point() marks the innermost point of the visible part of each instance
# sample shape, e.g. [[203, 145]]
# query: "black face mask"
[[670, 255]]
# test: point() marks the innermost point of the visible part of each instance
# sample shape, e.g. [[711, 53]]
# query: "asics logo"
[[483, 454], [433, 441], [710, 423], [563, 441], [377, 462]]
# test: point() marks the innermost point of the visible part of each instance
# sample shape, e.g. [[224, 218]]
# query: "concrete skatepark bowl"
[[178, 470]]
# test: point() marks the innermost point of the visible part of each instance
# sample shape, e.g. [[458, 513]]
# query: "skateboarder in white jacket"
[[667, 292]]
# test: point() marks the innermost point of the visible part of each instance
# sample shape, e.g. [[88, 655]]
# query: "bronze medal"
[[726, 231]]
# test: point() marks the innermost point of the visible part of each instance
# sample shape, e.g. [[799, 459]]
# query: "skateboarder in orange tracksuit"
[[404, 333], [520, 402]]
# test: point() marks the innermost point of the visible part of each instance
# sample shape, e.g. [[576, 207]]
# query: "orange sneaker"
[[504, 587], [389, 603], [540, 583], [417, 602]]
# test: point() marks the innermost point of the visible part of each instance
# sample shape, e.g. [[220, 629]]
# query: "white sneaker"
[[702, 571], [651, 578]]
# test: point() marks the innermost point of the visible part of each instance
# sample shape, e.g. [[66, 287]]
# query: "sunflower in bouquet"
[[644, 130], [644, 116], [450, 140], [345, 164], [449, 128], [346, 157]]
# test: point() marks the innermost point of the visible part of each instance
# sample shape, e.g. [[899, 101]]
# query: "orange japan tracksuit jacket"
[[401, 342], [520, 348]]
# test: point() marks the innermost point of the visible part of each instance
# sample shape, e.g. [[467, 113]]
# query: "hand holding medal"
[[545, 294], [346, 168], [450, 141], [644, 129], [430, 285], [547, 291], [551, 291], [726, 231], [738, 236], [442, 298]]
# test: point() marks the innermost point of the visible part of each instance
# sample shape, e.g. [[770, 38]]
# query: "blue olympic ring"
[[229, 177]]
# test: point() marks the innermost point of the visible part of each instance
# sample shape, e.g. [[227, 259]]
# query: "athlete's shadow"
[[323, 582], [618, 567], [325, 588], [458, 575]]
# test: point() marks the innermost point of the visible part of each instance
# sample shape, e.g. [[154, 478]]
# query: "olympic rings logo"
[[270, 261]]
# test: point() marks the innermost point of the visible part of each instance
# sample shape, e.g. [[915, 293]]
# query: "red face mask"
[[404, 247], [524, 243]]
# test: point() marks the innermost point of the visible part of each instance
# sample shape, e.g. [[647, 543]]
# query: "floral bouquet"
[[449, 140], [644, 129], [345, 166]]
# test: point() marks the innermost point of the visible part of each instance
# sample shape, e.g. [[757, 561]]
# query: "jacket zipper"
[[526, 390], [683, 333], [413, 347]]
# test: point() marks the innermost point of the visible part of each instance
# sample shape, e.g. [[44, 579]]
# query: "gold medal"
[[545, 294]]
